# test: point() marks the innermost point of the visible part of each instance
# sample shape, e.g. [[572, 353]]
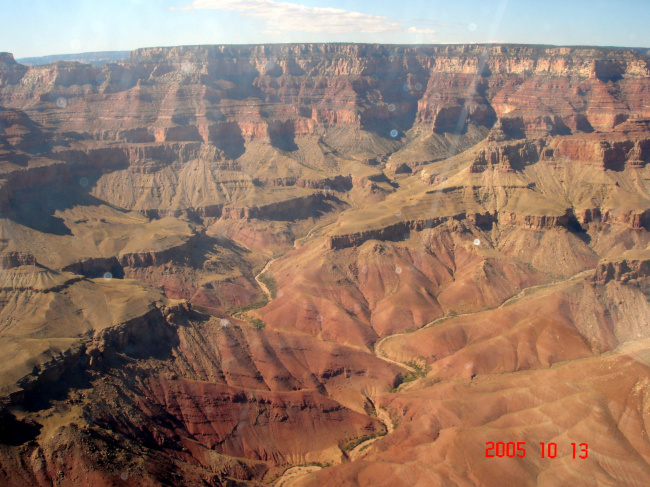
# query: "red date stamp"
[[511, 449]]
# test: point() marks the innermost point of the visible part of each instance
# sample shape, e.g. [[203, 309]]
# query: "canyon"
[[325, 265]]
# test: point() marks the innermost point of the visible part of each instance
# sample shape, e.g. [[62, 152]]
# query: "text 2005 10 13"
[[517, 449]]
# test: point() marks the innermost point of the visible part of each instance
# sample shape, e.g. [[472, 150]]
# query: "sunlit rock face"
[[364, 261]]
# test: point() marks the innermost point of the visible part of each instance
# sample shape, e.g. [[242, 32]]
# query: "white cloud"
[[284, 16], [417, 30]]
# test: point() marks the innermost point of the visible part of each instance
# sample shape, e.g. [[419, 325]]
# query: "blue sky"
[[42, 27]]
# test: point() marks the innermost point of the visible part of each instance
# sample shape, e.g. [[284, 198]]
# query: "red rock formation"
[[508, 157], [294, 208], [633, 269], [10, 260]]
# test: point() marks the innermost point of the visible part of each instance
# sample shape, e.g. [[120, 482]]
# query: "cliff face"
[[277, 95], [16, 259], [307, 86], [633, 267], [163, 108], [289, 209]]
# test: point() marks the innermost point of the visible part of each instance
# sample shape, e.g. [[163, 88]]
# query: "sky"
[[44, 27]]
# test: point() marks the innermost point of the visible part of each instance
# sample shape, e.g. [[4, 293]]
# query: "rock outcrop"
[[632, 267], [10, 260]]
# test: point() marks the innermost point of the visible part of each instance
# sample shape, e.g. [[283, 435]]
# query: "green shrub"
[[316, 464], [259, 324], [418, 372], [355, 442], [250, 306], [270, 283], [394, 417]]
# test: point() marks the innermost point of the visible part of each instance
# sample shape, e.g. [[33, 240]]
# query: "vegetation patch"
[[270, 284], [394, 417], [317, 464], [239, 310], [355, 442], [259, 324], [365, 447], [420, 369]]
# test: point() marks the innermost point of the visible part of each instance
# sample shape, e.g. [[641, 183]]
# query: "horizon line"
[[635, 48]]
